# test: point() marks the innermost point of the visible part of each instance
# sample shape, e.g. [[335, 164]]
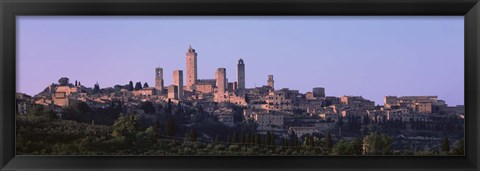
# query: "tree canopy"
[[64, 81]]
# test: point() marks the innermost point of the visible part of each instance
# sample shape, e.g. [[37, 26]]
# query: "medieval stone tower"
[[191, 68], [178, 81], [241, 74], [270, 82], [221, 80], [159, 80]]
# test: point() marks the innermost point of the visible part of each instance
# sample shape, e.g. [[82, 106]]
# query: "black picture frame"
[[9, 9]]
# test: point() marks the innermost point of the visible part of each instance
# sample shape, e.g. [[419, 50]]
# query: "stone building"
[[309, 95], [390, 102], [357, 102], [66, 89], [60, 99], [173, 92], [231, 87], [178, 81], [191, 69], [278, 100], [318, 92], [272, 122], [221, 84], [205, 85], [418, 104], [149, 91], [331, 100]]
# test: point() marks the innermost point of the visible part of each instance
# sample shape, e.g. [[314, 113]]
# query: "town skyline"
[[256, 70]]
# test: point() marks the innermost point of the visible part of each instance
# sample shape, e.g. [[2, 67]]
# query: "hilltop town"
[[416, 123]]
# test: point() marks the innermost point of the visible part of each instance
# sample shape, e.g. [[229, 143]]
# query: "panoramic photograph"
[[240, 86]]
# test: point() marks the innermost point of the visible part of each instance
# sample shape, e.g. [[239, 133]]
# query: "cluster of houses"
[[279, 111]]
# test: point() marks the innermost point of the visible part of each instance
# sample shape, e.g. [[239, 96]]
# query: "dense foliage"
[[179, 132]]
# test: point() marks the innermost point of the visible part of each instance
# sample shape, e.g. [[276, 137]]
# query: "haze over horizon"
[[363, 56]]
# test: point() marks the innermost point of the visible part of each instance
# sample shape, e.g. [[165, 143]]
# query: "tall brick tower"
[[159, 80], [270, 82], [221, 80], [178, 81], [191, 68], [241, 74]]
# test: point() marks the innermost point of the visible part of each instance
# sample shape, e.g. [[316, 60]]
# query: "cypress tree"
[[130, 86], [217, 139], [235, 137], [169, 106], [96, 88], [328, 142], [170, 127], [272, 139], [445, 145], [267, 139], [138, 86], [257, 140]]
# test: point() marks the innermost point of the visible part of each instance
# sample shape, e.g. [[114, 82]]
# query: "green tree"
[[148, 137], [179, 108], [267, 139], [293, 139], [355, 147], [341, 148], [257, 140], [385, 144], [41, 111], [235, 137], [445, 145], [242, 138], [285, 142], [147, 106], [375, 145], [217, 139], [272, 139], [170, 127], [126, 126], [169, 106], [138, 86], [460, 149], [130, 86], [96, 88], [191, 136], [370, 143], [64, 81], [328, 142], [145, 85]]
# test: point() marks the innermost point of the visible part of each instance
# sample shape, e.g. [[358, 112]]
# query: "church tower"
[[159, 80], [191, 68], [241, 74]]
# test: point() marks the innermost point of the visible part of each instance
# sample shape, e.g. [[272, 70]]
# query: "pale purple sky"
[[369, 56]]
